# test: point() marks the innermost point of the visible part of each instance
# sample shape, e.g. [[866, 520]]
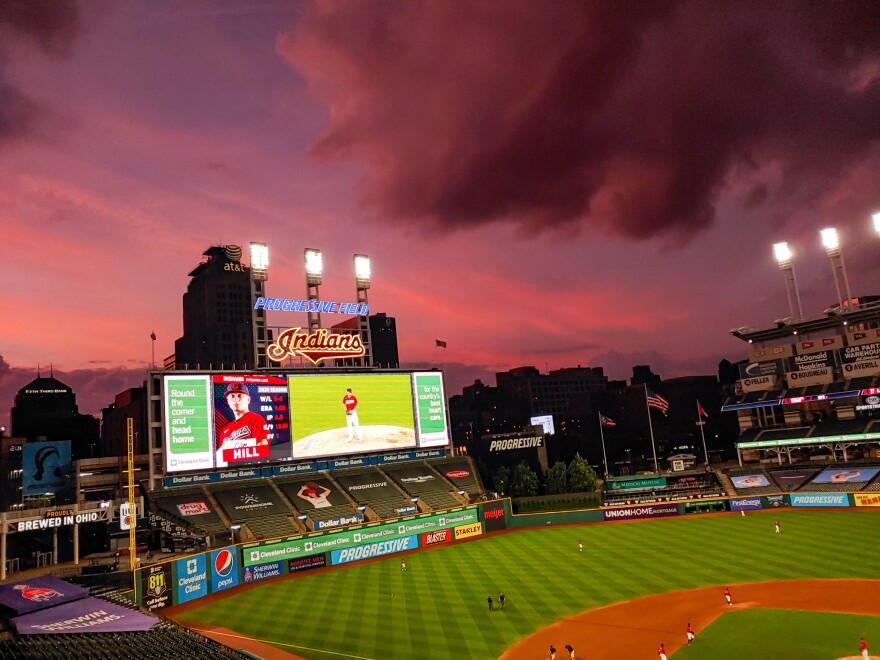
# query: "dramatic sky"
[[562, 184]]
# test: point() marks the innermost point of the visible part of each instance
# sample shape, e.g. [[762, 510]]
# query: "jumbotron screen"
[[220, 421]]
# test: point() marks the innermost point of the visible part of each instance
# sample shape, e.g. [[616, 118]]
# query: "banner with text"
[[322, 542], [89, 615], [647, 511], [819, 499], [864, 499]]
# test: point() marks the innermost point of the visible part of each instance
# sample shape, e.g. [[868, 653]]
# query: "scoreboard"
[[223, 420]]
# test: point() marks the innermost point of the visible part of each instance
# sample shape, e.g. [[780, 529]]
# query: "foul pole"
[[132, 536]]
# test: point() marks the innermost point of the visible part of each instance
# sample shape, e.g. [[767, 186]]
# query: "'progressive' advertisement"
[[298, 547], [819, 499], [373, 550]]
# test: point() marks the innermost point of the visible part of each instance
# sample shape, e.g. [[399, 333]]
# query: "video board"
[[220, 421]]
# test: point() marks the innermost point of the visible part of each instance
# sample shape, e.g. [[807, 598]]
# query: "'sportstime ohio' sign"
[[315, 347]]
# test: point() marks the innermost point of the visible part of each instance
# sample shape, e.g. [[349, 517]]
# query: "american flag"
[[607, 422], [656, 401]]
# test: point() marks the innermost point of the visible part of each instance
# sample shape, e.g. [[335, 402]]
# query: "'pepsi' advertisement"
[[224, 569]]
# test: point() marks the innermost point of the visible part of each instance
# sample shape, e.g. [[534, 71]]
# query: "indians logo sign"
[[37, 594], [315, 347]]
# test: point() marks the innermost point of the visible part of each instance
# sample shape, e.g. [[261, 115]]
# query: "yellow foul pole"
[[132, 542]]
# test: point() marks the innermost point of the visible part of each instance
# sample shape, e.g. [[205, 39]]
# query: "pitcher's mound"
[[376, 437]]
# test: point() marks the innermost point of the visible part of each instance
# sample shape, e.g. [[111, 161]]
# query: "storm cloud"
[[49, 26], [628, 118]]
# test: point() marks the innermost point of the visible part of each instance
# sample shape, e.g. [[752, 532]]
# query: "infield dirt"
[[635, 628]]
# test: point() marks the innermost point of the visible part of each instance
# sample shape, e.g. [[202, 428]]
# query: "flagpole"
[[701, 424], [651, 427], [604, 455]]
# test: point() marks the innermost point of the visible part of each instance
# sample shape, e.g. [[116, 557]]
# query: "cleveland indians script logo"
[[316, 347]]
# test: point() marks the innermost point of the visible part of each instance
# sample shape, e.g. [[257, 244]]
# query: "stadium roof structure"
[[832, 319]]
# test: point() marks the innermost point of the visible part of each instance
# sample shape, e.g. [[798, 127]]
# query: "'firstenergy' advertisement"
[[229, 420]]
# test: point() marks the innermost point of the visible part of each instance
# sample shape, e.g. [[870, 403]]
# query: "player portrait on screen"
[[247, 436]]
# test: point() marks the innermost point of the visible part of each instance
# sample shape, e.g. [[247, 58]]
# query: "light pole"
[[314, 277], [362, 276], [783, 257], [259, 253], [831, 243]]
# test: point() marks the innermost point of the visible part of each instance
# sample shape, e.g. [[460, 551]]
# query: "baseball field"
[[438, 607]]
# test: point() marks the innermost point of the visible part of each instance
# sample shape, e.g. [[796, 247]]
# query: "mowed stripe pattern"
[[438, 609]]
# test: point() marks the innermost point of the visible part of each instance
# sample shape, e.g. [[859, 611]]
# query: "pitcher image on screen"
[[350, 403]]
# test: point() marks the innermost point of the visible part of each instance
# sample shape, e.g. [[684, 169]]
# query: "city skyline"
[[600, 185]]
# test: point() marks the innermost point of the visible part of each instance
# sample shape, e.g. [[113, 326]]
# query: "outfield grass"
[[761, 634], [382, 399], [437, 609]]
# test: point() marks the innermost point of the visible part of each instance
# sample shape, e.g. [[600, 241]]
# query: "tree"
[[502, 480], [581, 477], [523, 481], [557, 479]]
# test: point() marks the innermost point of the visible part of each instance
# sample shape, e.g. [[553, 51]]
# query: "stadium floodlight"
[[259, 261], [314, 266], [831, 243], [876, 218], [784, 256], [362, 271]]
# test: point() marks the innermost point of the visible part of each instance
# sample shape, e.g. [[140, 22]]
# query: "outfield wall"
[[181, 580]]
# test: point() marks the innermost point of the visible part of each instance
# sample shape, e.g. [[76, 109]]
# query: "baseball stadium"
[[324, 513]]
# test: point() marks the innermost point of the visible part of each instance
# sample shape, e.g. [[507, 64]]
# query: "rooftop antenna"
[[51, 370], [38, 369]]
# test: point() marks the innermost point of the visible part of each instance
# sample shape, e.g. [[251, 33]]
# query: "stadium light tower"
[[831, 243], [259, 253], [362, 275], [783, 257], [876, 218], [314, 279]]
